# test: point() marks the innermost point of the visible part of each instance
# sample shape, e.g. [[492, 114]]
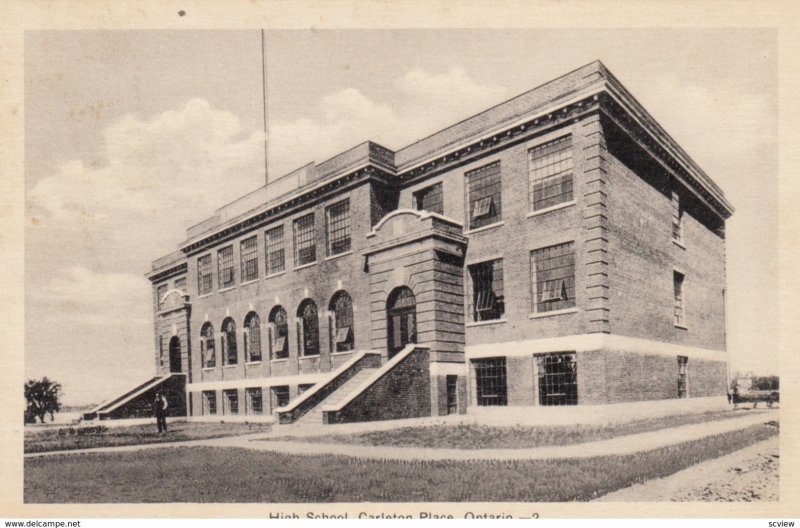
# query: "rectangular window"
[[490, 381], [683, 365], [677, 218], [248, 256], [231, 400], [225, 267], [337, 227], [558, 379], [255, 401], [209, 402], [274, 248], [160, 291], [180, 284], [280, 396], [204, 284], [429, 199], [550, 173], [553, 278], [485, 299], [677, 288], [305, 250], [484, 196]]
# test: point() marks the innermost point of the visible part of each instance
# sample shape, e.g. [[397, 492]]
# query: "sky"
[[133, 136]]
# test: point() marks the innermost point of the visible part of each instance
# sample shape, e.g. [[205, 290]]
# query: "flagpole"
[[264, 103]]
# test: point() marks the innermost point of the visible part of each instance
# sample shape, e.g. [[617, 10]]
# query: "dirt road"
[[750, 474]]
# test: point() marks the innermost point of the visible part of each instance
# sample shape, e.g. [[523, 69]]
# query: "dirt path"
[[750, 474]]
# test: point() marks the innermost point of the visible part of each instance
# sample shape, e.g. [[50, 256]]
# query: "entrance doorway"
[[175, 354], [401, 319]]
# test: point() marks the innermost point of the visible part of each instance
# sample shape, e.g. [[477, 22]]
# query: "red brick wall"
[[642, 259], [319, 282], [608, 376]]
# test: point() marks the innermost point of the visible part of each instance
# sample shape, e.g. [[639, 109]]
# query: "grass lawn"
[[48, 439], [211, 474], [471, 436]]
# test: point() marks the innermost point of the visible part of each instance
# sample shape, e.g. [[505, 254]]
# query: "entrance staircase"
[[364, 389], [315, 415], [137, 402]]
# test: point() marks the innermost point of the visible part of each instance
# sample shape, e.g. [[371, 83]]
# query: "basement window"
[[231, 401], [490, 381], [255, 401], [209, 402], [683, 378], [280, 396], [558, 379]]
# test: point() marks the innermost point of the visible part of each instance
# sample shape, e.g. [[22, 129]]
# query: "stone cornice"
[[620, 104], [283, 207], [156, 276], [603, 94]]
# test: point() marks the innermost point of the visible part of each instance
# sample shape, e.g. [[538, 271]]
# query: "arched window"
[[341, 309], [207, 349], [308, 322], [252, 337], [279, 333], [228, 341], [401, 319]]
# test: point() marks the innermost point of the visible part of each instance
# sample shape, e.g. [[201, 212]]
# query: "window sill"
[[342, 353], [228, 288], [680, 326], [485, 323], [309, 357], [339, 255], [484, 228], [252, 363], [209, 369], [251, 281], [304, 266], [209, 294], [276, 274], [552, 314], [678, 243], [230, 366], [281, 360], [551, 209]]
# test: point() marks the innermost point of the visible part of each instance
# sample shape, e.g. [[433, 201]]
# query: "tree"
[[766, 383], [42, 397]]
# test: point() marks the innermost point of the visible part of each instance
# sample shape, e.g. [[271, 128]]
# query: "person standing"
[[160, 408]]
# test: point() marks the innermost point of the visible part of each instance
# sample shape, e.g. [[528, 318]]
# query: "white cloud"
[[453, 89], [423, 103], [159, 175]]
